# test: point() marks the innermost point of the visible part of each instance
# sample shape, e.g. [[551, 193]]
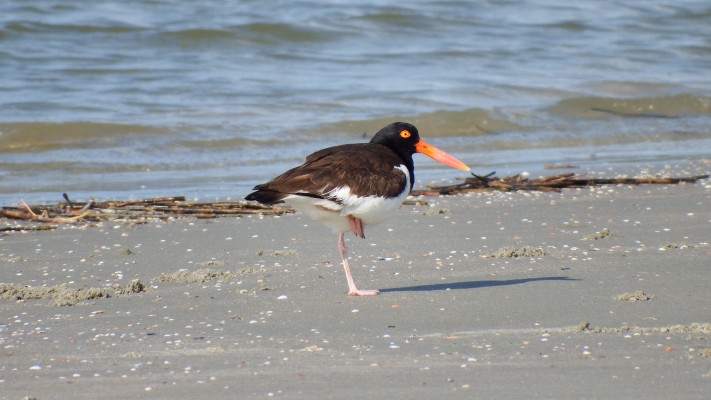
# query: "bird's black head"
[[401, 137], [404, 139]]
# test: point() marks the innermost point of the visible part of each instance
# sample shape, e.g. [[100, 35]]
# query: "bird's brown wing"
[[367, 169]]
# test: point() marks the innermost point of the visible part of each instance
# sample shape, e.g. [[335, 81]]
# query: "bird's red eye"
[[405, 134]]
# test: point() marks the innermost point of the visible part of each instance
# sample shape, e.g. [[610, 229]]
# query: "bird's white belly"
[[371, 210]]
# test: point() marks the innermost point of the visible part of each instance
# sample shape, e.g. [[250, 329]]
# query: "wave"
[[27, 137], [674, 106], [250, 33], [227, 143], [470, 122], [37, 27]]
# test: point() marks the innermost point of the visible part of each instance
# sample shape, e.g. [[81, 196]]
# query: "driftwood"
[[547, 184], [68, 212]]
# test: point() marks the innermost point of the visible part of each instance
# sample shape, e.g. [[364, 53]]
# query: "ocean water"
[[132, 99]]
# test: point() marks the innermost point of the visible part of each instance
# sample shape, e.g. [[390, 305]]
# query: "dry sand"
[[255, 307]]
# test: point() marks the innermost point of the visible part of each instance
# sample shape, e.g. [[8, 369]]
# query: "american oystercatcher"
[[351, 186]]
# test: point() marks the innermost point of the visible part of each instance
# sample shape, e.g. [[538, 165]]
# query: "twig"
[[545, 184], [28, 228], [69, 202], [26, 207], [31, 216]]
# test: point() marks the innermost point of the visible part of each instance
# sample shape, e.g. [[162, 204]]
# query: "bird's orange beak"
[[439, 155]]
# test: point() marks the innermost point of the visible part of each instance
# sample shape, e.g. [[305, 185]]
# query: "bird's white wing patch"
[[370, 209]]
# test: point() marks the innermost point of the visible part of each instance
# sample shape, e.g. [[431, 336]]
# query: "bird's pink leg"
[[352, 289], [356, 225]]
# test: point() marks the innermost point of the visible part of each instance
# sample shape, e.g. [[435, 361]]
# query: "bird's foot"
[[358, 292]]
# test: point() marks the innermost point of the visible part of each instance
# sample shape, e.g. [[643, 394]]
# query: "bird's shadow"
[[473, 284]]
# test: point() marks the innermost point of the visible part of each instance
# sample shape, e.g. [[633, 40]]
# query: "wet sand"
[[590, 293]]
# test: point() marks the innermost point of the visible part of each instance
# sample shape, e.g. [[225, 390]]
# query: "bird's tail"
[[268, 197]]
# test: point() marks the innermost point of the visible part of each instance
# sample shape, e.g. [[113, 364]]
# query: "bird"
[[353, 186]]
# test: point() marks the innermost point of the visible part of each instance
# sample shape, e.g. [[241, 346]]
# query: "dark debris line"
[[69, 212], [546, 184]]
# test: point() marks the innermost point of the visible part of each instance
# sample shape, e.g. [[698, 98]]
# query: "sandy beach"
[[589, 293]]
